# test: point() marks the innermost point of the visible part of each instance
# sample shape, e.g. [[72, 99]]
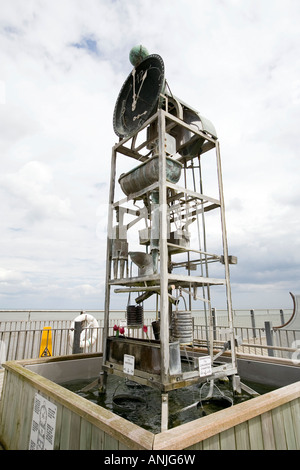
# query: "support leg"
[[164, 411], [236, 384], [102, 382]]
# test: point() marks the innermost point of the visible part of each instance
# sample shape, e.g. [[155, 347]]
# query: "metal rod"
[[253, 323], [207, 289], [163, 248], [225, 251], [108, 262], [137, 289]]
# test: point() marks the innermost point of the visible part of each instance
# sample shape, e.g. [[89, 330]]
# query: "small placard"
[[43, 424], [128, 365], [204, 366]]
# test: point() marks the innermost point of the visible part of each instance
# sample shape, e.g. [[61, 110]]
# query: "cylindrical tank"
[[182, 326], [147, 173]]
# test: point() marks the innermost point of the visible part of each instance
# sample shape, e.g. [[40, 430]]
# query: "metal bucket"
[[156, 329], [135, 315], [182, 326]]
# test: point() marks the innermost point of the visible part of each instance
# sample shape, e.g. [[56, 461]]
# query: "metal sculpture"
[[167, 142]]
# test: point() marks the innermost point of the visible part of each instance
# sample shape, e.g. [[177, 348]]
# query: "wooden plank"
[[59, 414], [288, 427], [279, 434], [97, 439], [123, 446], [1, 381], [255, 434], [65, 429], [26, 417], [213, 443], [74, 442], [85, 435], [110, 443], [227, 440], [3, 408], [295, 410], [242, 436], [197, 446], [13, 412], [268, 431], [5, 421]]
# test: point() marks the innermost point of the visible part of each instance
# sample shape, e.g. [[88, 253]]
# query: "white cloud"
[[8, 275], [63, 65], [31, 187]]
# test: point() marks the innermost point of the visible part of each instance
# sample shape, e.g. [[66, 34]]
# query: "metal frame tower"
[[163, 216]]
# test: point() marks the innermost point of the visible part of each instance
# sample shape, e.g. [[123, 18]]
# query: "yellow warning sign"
[[46, 342]]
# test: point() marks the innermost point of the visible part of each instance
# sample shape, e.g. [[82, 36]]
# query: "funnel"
[[143, 261]]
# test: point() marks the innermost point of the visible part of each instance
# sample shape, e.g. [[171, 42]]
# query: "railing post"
[[269, 337], [281, 317], [214, 323], [2, 352], [76, 341], [253, 323]]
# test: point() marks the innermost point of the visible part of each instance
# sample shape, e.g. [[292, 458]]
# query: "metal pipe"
[[164, 300], [108, 263], [225, 251]]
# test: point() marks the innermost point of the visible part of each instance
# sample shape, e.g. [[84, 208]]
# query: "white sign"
[[128, 365], [43, 424], [204, 366]]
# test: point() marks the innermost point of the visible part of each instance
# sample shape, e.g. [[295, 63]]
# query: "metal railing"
[[18, 344], [24, 343], [265, 341]]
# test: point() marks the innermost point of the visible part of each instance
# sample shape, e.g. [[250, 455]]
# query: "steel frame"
[[189, 202]]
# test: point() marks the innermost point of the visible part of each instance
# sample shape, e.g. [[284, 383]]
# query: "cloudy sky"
[[62, 63]]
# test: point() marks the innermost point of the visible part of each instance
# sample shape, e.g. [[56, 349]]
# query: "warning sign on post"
[[204, 366], [43, 424], [128, 365]]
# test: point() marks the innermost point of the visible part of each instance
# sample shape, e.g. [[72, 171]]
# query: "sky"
[[62, 64]]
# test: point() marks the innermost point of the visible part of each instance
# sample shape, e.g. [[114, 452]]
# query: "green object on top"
[[137, 54]]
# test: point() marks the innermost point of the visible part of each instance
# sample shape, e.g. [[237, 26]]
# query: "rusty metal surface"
[[147, 354]]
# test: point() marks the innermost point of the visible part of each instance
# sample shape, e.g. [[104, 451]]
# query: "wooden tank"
[[270, 421]]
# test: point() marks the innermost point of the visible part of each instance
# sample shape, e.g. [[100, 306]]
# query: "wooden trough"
[[270, 421]]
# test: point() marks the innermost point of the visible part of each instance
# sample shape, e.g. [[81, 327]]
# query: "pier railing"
[[20, 342], [23, 341]]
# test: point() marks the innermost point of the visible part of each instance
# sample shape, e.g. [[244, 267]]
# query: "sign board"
[[128, 364], [46, 342], [43, 424], [204, 366]]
